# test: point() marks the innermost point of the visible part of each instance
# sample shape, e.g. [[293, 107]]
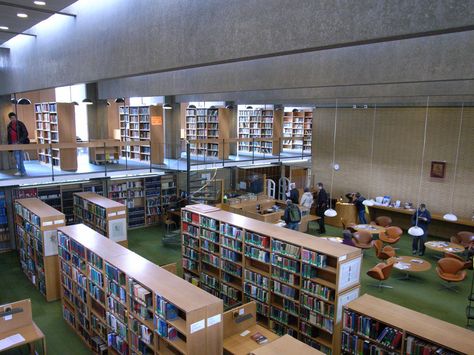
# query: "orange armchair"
[[383, 252], [463, 238], [362, 239], [451, 270], [381, 272], [467, 263], [382, 221], [391, 235]]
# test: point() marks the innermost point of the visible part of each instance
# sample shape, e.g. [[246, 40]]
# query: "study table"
[[20, 323], [371, 228], [444, 247], [409, 264], [438, 227]]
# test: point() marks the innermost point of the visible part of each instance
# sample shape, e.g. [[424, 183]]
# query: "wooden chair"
[[169, 222], [463, 238], [382, 221], [381, 272], [391, 235], [450, 270], [383, 252], [362, 239]]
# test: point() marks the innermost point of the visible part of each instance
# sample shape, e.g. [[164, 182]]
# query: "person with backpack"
[[17, 134], [292, 215]]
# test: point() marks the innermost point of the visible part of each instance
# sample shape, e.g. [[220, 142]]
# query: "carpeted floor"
[[421, 293]]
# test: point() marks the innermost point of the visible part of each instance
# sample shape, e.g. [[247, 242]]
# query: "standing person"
[[17, 134], [294, 193], [292, 215], [424, 219], [321, 206], [307, 198], [359, 199]]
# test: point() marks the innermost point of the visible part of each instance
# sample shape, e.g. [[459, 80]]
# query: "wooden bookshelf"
[[36, 228], [299, 284], [103, 215], [285, 345], [297, 130], [118, 301], [208, 124], [59, 196], [5, 243], [142, 124], [105, 154], [146, 198], [259, 124], [373, 323], [55, 123]]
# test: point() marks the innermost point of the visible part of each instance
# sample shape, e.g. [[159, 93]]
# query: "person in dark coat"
[[360, 208], [17, 134], [321, 206], [294, 194], [424, 219]]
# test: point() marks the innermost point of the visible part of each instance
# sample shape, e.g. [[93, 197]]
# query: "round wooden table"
[[371, 228], [444, 247], [409, 264], [333, 239]]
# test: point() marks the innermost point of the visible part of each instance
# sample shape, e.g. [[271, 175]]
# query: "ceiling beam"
[[37, 9], [17, 33]]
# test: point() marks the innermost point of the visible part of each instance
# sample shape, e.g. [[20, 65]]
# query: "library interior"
[[236, 177]]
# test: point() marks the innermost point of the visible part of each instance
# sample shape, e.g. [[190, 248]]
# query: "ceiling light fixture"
[[415, 230], [24, 101], [22, 15], [167, 107], [249, 108], [39, 3], [330, 212], [451, 216], [87, 101], [120, 100], [229, 106], [5, 28], [192, 106]]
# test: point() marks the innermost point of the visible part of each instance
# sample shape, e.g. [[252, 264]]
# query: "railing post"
[[253, 150], [151, 154], [188, 168], [126, 156], [51, 160], [105, 160]]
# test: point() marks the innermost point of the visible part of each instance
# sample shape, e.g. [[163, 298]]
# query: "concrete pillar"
[[6, 158], [97, 114]]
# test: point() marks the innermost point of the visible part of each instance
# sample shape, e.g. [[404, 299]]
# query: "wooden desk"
[[286, 345], [243, 345], [347, 211], [444, 247], [21, 323], [372, 229], [243, 320], [438, 227], [409, 264]]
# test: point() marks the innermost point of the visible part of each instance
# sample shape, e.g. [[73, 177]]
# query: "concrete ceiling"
[[9, 18]]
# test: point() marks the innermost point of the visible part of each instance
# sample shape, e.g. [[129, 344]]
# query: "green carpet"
[[421, 293]]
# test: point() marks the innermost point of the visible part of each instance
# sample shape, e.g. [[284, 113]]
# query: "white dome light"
[[450, 217], [416, 231], [330, 213]]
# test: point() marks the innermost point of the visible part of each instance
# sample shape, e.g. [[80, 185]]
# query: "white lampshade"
[[450, 217], [368, 202], [416, 231], [330, 213]]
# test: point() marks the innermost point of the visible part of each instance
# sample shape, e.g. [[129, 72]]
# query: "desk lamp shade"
[[368, 202], [416, 231], [330, 213], [450, 217]]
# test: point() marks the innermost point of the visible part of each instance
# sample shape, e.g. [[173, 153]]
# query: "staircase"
[[202, 190]]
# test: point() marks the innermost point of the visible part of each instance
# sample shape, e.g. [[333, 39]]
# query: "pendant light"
[[451, 216], [24, 101], [120, 100], [167, 107], [330, 212], [415, 230], [370, 202], [87, 101]]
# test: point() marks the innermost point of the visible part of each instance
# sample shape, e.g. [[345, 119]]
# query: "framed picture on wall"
[[438, 169]]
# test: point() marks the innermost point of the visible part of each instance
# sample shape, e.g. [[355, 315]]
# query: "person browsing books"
[[424, 219], [307, 198], [17, 134], [292, 215]]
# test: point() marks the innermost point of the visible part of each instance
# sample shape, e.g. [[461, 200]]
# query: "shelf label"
[[197, 326], [59, 221], [120, 212], [111, 214], [48, 223], [241, 311], [214, 320], [342, 258]]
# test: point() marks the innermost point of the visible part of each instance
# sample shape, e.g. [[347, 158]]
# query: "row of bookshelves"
[[131, 308], [297, 283]]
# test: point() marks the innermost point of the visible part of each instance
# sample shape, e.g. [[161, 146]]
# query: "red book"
[[259, 338]]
